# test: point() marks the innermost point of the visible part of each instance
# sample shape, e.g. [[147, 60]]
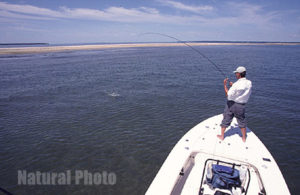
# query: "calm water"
[[123, 110]]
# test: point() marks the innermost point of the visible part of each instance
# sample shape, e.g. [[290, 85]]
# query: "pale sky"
[[89, 21]]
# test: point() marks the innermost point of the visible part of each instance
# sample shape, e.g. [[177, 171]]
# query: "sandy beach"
[[28, 50]]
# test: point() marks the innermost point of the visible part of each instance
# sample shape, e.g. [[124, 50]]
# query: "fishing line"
[[193, 48]]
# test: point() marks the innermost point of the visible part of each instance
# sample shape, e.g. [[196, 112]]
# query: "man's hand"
[[225, 86], [225, 81], [230, 83]]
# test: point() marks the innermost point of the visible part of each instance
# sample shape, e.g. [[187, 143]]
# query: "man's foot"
[[243, 134], [244, 139], [220, 137]]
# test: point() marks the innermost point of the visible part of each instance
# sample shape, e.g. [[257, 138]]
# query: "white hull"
[[183, 172]]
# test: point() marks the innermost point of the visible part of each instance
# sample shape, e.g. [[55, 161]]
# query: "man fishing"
[[237, 97]]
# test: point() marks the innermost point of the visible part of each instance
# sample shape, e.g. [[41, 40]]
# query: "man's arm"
[[225, 86]]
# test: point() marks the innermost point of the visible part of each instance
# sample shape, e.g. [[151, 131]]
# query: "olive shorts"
[[237, 110]]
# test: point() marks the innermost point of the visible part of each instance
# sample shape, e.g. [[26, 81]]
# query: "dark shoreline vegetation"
[[253, 42], [241, 42]]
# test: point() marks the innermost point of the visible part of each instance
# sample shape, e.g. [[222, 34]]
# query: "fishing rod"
[[193, 48], [5, 191]]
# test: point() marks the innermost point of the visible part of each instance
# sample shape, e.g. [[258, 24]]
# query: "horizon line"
[[131, 42]]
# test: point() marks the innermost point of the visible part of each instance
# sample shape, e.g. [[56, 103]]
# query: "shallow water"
[[123, 110]]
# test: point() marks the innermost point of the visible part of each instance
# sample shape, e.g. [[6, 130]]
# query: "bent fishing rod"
[[193, 48]]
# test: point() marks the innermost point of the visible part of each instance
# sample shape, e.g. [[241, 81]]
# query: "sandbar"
[[30, 50]]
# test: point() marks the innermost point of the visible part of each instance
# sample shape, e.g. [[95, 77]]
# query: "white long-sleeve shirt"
[[240, 91]]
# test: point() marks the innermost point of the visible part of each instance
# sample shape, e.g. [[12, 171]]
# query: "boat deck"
[[182, 171]]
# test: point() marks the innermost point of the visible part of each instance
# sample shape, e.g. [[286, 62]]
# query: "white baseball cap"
[[240, 69]]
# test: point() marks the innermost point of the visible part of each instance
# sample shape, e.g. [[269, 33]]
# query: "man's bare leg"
[[221, 137], [244, 134]]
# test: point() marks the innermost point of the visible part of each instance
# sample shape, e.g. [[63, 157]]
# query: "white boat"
[[200, 156]]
